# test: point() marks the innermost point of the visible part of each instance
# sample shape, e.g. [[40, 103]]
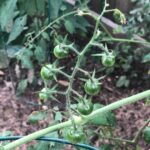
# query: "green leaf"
[[17, 28], [22, 86], [40, 6], [29, 6], [58, 116], [7, 12], [37, 116], [55, 5], [146, 58], [3, 59], [106, 147], [46, 36], [69, 26], [123, 81], [146, 134], [13, 50], [24, 55], [39, 54], [105, 119]]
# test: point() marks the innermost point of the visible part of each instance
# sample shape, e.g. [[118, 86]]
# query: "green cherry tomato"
[[85, 108], [146, 134], [43, 95], [92, 87], [60, 52], [47, 72], [108, 60], [75, 136]]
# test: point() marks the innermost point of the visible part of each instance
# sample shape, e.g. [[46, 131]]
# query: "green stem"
[[50, 24], [78, 120], [125, 40]]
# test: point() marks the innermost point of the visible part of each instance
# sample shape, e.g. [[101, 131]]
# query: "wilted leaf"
[[17, 28]]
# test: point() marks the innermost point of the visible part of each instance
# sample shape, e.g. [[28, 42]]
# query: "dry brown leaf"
[[63, 82], [17, 71], [30, 75], [2, 73]]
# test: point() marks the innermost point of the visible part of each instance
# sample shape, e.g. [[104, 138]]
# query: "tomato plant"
[[79, 114]]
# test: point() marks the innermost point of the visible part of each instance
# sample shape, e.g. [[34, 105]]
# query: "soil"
[[15, 110]]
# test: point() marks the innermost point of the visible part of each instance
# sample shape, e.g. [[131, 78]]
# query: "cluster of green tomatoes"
[[91, 87]]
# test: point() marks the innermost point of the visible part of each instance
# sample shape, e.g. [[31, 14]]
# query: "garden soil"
[[14, 112]]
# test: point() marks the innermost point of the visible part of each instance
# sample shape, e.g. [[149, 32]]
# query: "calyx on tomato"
[[60, 52], [85, 106], [92, 86]]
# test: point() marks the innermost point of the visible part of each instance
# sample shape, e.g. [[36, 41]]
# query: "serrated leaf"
[[37, 116], [39, 54], [106, 119], [17, 28], [7, 11], [22, 86]]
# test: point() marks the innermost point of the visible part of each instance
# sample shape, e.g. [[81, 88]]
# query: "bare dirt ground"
[[14, 112]]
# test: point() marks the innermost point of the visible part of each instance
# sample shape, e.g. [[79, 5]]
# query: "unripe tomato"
[[75, 136], [43, 95], [85, 108], [108, 60], [47, 72], [92, 87], [60, 52], [146, 134]]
